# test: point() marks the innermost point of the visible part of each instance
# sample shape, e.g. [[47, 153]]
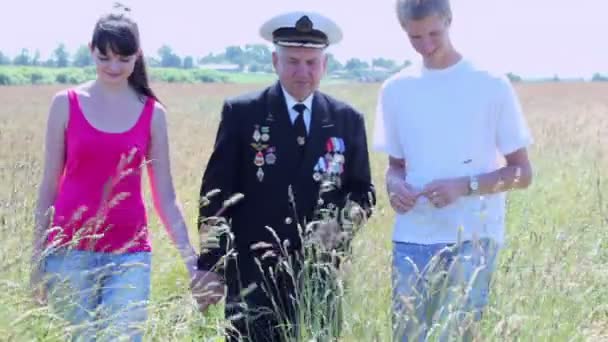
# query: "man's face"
[[299, 69], [430, 38]]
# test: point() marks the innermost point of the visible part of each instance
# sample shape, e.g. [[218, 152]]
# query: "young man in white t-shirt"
[[456, 139]]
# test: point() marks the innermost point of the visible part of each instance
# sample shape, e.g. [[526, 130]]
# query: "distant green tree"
[[384, 63], [188, 62], [36, 59], [257, 53], [597, 77], [82, 57], [49, 63], [4, 59], [235, 55], [61, 56], [356, 64], [333, 64], [23, 58], [168, 59], [213, 59], [257, 57], [513, 77], [255, 68], [152, 62]]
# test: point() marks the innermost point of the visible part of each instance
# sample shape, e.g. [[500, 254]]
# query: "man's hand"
[[402, 196], [328, 234], [444, 192], [207, 288]]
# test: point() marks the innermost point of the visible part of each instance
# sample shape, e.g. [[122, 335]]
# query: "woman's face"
[[113, 68]]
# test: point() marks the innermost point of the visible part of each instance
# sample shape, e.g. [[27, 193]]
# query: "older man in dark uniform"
[[296, 156]]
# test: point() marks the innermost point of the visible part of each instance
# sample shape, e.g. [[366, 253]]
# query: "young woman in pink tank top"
[[91, 243]]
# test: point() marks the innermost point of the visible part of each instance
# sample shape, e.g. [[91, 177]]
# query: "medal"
[[335, 167], [265, 129], [320, 169], [260, 174], [339, 158], [256, 135], [259, 147], [316, 176], [342, 148], [330, 145], [265, 137], [259, 159], [271, 158], [301, 141]]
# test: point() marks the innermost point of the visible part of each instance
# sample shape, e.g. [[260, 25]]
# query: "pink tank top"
[[99, 205]]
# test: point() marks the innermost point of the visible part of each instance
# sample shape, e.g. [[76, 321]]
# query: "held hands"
[[440, 193], [207, 288]]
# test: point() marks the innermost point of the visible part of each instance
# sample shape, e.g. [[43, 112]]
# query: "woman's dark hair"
[[119, 33]]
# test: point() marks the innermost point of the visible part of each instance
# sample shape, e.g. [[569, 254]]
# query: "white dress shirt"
[[291, 101]]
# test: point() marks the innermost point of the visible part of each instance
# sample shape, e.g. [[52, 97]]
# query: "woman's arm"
[[54, 160], [163, 192]]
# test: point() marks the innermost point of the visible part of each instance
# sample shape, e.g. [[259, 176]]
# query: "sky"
[[532, 38]]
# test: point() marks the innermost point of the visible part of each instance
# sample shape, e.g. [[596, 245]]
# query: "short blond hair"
[[419, 9]]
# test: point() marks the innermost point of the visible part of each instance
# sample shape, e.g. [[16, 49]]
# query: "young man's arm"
[[402, 196], [516, 174]]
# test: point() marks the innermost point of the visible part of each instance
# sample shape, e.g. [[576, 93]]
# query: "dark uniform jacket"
[[256, 154]]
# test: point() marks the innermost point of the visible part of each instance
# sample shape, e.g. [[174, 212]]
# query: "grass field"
[[551, 283]]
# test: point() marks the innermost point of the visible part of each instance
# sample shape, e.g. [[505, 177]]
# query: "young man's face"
[[430, 38], [299, 69]]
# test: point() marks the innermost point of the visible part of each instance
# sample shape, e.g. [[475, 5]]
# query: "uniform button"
[[288, 220]]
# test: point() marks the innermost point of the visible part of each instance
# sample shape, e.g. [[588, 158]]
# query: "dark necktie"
[[299, 125]]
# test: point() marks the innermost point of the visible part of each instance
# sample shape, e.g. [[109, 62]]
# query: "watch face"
[[474, 185]]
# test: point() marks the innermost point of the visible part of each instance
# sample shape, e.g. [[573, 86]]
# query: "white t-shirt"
[[446, 123]]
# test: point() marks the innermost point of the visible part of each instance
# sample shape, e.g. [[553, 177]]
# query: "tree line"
[[248, 58], [253, 58]]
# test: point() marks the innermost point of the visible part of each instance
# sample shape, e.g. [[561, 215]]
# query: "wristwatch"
[[473, 185]]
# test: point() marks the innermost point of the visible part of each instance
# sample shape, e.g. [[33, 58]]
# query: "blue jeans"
[[102, 296], [440, 289]]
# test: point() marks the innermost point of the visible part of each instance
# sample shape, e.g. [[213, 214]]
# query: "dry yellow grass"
[[551, 283]]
